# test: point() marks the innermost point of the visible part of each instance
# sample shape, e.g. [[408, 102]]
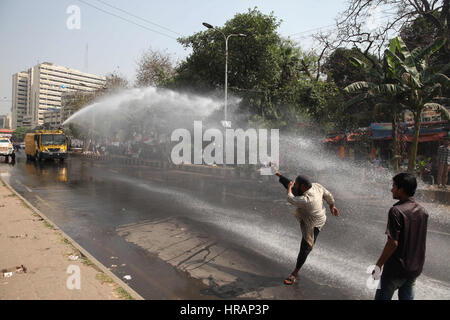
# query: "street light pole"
[[226, 79], [225, 123]]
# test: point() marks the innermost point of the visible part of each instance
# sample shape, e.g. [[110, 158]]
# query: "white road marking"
[[43, 201], [28, 189]]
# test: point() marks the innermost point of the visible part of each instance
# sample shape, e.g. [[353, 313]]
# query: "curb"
[[97, 263]]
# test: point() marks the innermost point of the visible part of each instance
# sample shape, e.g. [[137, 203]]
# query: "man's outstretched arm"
[[283, 180]]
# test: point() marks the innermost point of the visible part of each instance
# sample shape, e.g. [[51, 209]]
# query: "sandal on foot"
[[290, 280]]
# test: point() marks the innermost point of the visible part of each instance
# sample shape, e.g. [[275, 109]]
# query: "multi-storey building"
[[45, 85], [19, 98], [4, 122], [52, 117]]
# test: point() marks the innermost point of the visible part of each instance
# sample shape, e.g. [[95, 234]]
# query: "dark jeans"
[[305, 249], [389, 283]]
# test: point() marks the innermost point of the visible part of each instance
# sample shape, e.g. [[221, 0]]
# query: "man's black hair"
[[303, 180], [407, 182]]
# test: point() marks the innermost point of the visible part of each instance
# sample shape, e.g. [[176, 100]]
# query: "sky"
[[33, 32]]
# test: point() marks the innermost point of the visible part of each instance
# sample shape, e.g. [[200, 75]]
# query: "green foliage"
[[404, 81], [270, 74], [422, 83], [19, 134], [421, 32], [337, 68], [423, 164], [254, 61]]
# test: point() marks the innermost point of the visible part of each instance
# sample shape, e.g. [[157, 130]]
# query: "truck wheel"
[[6, 159]]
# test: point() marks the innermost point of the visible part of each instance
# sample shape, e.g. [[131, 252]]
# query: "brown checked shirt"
[[407, 224]]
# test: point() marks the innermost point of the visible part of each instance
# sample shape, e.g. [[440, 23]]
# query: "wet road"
[[92, 200]]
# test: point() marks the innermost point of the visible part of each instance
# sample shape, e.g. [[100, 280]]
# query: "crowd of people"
[[134, 150]]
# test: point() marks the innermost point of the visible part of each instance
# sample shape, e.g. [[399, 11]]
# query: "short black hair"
[[303, 180], [407, 182]]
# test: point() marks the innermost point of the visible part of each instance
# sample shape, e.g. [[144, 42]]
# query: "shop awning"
[[383, 131], [336, 138]]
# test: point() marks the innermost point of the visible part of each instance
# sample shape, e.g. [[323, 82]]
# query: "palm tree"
[[421, 83]]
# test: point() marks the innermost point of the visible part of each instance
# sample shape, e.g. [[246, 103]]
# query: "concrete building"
[[4, 122], [45, 85], [19, 98], [52, 117]]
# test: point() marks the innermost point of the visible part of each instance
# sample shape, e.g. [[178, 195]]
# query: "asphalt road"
[[124, 214]]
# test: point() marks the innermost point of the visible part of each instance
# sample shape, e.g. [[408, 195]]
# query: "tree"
[[370, 23], [253, 61], [384, 93], [406, 81], [422, 82], [19, 134], [154, 68], [338, 69], [264, 70], [114, 82]]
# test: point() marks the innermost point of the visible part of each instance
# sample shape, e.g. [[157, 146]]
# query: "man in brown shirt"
[[403, 256]]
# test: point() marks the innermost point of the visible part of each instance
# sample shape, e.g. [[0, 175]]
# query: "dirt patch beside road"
[[36, 260]]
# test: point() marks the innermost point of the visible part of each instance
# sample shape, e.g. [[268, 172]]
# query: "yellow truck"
[[46, 144]]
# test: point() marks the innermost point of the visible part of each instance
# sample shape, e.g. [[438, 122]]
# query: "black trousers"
[[305, 248]]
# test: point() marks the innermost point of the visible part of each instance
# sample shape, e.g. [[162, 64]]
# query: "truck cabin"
[[50, 139]]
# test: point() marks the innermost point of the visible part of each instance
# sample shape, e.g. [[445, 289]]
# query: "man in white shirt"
[[308, 198]]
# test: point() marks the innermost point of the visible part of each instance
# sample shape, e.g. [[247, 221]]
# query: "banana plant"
[[385, 90], [422, 83]]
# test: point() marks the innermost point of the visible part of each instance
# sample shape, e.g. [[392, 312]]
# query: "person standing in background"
[[443, 163]]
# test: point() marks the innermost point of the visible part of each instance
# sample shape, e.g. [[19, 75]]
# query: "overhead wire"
[[127, 20], [308, 33], [140, 18]]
